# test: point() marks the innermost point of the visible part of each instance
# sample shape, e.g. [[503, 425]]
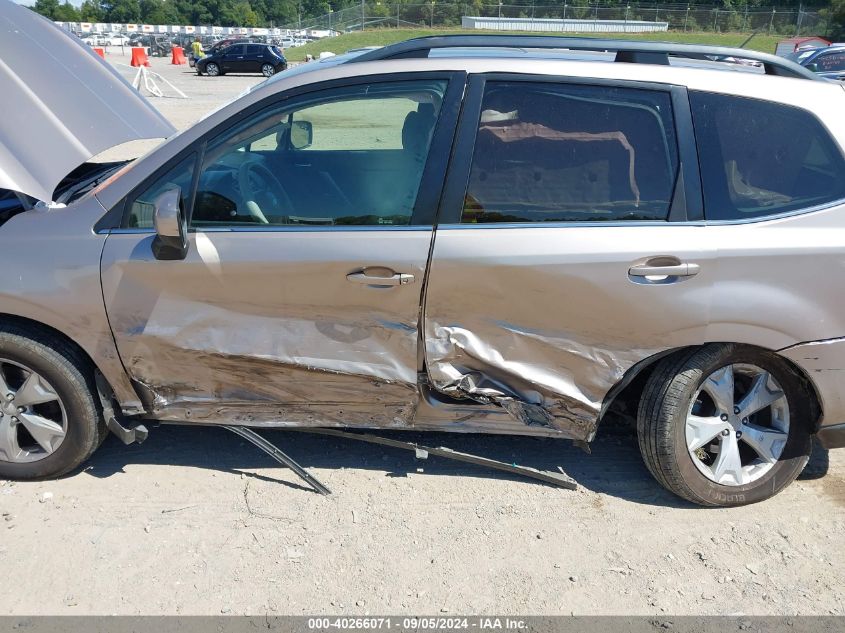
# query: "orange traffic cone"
[[100, 51], [139, 56], [178, 56]]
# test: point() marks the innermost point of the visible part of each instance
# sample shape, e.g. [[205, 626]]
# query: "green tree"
[[66, 13], [837, 19], [122, 10], [47, 8], [90, 11], [159, 12]]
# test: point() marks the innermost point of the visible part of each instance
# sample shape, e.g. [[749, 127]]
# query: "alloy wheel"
[[738, 425], [212, 70], [33, 422], [267, 70]]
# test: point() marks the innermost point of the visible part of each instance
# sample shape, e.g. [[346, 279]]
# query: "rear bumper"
[[824, 364]]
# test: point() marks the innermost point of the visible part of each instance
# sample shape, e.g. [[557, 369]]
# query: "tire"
[[268, 70], [212, 69], [70, 375], [678, 388]]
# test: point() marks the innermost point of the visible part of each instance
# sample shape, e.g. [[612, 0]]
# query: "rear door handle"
[[376, 276], [672, 270]]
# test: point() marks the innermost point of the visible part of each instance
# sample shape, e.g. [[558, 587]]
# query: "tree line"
[[259, 13]]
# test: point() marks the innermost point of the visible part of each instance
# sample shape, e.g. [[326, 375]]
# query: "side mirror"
[[813, 66], [171, 240], [301, 134]]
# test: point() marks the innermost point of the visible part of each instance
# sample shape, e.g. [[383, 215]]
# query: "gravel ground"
[[195, 521]]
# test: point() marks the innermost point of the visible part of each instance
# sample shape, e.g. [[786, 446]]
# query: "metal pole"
[[772, 21], [432, 13], [362, 16], [800, 16], [686, 19]]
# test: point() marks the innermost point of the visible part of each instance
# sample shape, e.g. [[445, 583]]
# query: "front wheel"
[[268, 70], [212, 69], [49, 419], [725, 425]]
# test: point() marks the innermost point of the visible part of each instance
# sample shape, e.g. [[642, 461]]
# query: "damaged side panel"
[[544, 321], [263, 328]]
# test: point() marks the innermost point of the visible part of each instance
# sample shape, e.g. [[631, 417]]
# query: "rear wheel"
[[724, 425], [268, 70], [49, 419], [212, 69]]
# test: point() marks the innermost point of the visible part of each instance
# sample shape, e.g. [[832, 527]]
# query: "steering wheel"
[[258, 182]]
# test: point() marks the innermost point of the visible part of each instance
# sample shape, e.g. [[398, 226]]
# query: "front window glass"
[[348, 156]]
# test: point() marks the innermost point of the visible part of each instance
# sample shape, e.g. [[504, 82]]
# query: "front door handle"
[[378, 276], [672, 270]]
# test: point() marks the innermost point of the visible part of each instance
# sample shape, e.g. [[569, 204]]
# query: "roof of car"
[[542, 46]]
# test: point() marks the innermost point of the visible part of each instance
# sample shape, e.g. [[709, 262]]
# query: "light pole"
[[432, 13]]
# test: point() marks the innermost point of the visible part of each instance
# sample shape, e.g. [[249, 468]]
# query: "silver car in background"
[[514, 235]]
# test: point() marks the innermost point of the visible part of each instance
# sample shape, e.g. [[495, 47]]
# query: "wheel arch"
[[623, 398], [129, 401]]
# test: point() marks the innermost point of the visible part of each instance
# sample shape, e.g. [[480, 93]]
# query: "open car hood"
[[62, 104]]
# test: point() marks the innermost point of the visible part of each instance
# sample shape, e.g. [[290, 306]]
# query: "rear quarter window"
[[760, 158]]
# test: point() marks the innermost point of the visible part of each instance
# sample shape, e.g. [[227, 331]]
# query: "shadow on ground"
[[614, 467]]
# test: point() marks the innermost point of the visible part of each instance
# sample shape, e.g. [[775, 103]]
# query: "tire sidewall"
[[82, 417], [795, 453], [209, 72]]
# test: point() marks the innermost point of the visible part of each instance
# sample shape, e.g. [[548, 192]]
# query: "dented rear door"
[[299, 300], [567, 248]]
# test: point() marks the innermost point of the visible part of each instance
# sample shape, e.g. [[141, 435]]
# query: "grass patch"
[[383, 37]]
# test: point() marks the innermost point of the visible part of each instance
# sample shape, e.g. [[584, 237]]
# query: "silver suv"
[[517, 235]]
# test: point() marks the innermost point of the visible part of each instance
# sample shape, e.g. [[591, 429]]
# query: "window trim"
[[431, 184], [687, 203]]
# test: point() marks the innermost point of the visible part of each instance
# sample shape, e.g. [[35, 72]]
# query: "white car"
[[118, 39]]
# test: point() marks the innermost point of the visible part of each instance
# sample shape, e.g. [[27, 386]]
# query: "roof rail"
[[626, 50]]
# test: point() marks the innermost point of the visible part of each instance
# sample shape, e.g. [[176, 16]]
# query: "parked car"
[[828, 62], [118, 39], [95, 39], [243, 58], [219, 45], [496, 242]]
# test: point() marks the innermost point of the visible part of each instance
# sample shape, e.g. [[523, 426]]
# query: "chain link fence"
[[680, 17]]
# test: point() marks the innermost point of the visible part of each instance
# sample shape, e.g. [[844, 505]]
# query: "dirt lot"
[[195, 521]]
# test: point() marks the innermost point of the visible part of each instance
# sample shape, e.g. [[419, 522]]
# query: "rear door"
[[253, 58], [562, 256], [294, 305]]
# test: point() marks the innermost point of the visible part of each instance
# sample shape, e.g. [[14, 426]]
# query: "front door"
[[233, 59], [562, 257], [299, 300]]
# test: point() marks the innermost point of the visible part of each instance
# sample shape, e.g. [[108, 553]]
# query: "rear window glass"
[[760, 158], [571, 153]]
